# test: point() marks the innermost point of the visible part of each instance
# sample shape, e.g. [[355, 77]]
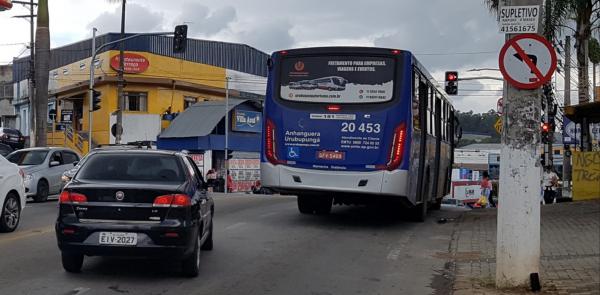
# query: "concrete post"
[[518, 236]]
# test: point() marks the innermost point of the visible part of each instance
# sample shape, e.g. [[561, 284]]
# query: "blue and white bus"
[[385, 131]]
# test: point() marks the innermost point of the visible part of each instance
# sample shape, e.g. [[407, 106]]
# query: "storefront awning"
[[200, 119]]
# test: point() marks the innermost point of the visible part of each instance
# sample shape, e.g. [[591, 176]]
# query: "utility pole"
[[120, 82], [91, 92], [518, 224], [566, 191], [548, 93], [226, 133], [31, 85]]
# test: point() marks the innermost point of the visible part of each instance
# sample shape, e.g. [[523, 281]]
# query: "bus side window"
[[443, 129], [430, 119], [415, 101]]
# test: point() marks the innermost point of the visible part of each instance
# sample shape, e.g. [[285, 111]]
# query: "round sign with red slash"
[[527, 61]]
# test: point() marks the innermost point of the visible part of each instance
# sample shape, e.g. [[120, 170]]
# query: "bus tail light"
[[270, 150], [397, 147], [334, 108]]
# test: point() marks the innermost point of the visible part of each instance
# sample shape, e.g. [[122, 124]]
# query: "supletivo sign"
[[519, 19]]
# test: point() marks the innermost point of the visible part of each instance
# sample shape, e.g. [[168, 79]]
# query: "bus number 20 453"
[[362, 127]]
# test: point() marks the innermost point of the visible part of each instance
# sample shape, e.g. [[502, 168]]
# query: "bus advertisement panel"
[[337, 79]]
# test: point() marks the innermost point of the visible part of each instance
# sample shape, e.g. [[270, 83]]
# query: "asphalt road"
[[262, 246]]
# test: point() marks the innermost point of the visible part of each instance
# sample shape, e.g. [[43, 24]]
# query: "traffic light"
[[180, 39], [451, 79], [229, 154], [96, 100], [546, 132]]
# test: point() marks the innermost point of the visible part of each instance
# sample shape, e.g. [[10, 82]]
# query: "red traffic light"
[[451, 76], [545, 127]]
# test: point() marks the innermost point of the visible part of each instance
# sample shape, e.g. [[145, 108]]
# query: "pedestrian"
[[486, 188], [229, 182], [211, 177], [549, 184]]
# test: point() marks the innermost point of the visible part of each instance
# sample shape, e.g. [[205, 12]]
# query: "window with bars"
[[136, 101]]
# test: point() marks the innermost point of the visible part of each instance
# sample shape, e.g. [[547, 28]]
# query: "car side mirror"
[[54, 163]]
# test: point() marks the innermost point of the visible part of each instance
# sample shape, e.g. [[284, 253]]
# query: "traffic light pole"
[[226, 134], [518, 224], [91, 91]]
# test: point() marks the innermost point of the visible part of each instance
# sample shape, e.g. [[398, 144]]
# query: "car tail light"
[[270, 145], [395, 51], [67, 197], [397, 151], [22, 173], [175, 200]]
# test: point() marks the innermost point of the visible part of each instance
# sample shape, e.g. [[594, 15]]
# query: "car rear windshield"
[[132, 167], [26, 158]]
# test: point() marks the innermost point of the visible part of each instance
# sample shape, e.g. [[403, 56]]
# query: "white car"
[[12, 195]]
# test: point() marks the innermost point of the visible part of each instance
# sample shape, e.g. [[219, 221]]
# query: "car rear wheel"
[[72, 262], [10, 214], [208, 243], [42, 191], [191, 265]]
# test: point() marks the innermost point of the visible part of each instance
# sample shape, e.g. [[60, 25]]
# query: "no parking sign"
[[527, 61]]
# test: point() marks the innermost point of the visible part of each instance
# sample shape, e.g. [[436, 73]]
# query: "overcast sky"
[[445, 35]]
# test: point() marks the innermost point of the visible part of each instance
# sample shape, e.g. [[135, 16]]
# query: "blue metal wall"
[[238, 57]]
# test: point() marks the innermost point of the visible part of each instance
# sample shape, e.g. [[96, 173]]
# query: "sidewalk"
[[570, 262]]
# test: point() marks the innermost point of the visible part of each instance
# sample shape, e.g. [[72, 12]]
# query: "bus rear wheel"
[[305, 205]]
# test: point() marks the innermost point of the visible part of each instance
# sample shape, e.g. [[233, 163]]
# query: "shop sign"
[[133, 63], [247, 121]]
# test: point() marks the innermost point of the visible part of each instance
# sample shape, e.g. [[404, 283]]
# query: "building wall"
[[160, 98], [6, 95]]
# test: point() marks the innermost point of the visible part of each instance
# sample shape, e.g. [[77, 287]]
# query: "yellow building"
[[158, 85]]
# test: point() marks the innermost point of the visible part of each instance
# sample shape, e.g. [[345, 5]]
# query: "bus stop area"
[[570, 250], [586, 158]]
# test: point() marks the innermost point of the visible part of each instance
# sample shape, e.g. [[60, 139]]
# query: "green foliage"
[[479, 123], [594, 51]]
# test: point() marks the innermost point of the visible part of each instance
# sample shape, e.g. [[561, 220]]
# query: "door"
[[438, 137], [423, 98]]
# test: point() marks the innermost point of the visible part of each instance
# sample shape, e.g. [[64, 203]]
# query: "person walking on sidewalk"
[[549, 183], [486, 188]]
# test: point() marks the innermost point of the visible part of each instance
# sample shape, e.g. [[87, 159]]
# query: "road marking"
[[235, 225], [27, 234], [395, 253], [268, 214]]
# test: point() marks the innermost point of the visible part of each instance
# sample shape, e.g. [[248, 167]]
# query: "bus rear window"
[[337, 79]]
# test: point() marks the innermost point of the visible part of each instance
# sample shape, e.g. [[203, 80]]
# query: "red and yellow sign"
[[5, 4], [133, 63]]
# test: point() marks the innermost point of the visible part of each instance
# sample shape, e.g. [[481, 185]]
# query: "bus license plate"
[[331, 155], [118, 238]]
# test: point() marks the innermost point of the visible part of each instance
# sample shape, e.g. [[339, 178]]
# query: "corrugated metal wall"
[[232, 56]]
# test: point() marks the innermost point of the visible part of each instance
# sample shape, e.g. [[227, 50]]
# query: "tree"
[[594, 52], [42, 69], [585, 14]]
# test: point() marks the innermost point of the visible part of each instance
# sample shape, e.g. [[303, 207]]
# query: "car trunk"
[[104, 202]]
